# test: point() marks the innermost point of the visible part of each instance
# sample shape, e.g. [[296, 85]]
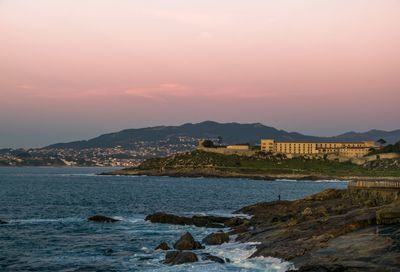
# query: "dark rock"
[[180, 257], [216, 238], [198, 221], [187, 242], [325, 268], [209, 257], [102, 219], [3, 222], [240, 229], [235, 222], [108, 252], [146, 258], [163, 246]]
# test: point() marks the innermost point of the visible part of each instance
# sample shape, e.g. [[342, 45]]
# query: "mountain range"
[[230, 132]]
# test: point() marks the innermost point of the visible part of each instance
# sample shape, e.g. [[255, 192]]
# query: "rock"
[[307, 211], [216, 238], [187, 242], [209, 257], [322, 268], [198, 221], [3, 222], [163, 246], [389, 215], [102, 219], [235, 222], [180, 257], [108, 252]]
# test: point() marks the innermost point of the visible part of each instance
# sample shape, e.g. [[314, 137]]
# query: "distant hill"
[[372, 135], [230, 133]]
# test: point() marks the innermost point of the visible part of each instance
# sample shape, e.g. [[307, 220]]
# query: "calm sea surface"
[[47, 210]]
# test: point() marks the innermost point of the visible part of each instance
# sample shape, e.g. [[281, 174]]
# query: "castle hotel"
[[345, 149]]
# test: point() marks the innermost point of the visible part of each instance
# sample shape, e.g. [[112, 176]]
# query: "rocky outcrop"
[[209, 257], [389, 215], [162, 246], [187, 242], [198, 221], [329, 231], [180, 257], [102, 219], [216, 238]]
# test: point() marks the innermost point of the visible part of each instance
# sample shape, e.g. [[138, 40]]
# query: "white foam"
[[317, 181], [240, 253]]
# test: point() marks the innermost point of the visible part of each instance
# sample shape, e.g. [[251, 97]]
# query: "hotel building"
[[345, 149]]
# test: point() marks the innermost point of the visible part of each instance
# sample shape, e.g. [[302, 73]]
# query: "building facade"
[[345, 149]]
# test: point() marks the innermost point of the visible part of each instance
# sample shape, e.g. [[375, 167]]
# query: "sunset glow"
[[73, 69]]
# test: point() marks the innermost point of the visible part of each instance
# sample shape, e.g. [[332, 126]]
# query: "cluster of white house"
[[344, 149]]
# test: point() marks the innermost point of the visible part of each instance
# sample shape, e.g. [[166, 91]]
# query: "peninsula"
[[265, 165]]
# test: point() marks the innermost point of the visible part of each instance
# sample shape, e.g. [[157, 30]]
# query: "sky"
[[71, 70]]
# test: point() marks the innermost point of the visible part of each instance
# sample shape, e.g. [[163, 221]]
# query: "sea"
[[47, 210]]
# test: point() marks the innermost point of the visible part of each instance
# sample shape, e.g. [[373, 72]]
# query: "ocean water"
[[47, 211]]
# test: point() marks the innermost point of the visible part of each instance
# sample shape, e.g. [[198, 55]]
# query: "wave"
[[317, 181]]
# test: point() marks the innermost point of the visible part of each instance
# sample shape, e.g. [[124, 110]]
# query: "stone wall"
[[226, 151]]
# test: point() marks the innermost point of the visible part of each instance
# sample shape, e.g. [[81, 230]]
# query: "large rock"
[[102, 219], [187, 242], [3, 222], [216, 238], [198, 221], [209, 257], [180, 257], [163, 246]]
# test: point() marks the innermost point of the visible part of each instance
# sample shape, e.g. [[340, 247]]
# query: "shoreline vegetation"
[[262, 166]]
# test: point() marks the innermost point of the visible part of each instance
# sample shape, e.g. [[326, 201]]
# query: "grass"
[[266, 165]]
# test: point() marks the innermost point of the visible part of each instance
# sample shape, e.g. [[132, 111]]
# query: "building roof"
[[318, 142]]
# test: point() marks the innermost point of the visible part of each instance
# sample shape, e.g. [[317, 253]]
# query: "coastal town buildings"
[[345, 149]]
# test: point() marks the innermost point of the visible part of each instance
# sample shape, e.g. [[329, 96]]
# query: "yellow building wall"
[[356, 149]]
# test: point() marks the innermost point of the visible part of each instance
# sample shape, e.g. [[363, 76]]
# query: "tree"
[[381, 141], [207, 143]]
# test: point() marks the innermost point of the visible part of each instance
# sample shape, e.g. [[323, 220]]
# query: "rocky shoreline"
[[213, 173], [335, 230]]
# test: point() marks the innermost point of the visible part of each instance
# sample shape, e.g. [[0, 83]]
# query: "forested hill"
[[230, 132]]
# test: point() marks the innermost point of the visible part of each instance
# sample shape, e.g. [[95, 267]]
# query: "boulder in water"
[[216, 238], [209, 257], [102, 219], [163, 246], [180, 257], [187, 242], [198, 221]]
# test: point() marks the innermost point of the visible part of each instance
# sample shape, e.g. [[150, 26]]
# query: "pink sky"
[[73, 69]]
